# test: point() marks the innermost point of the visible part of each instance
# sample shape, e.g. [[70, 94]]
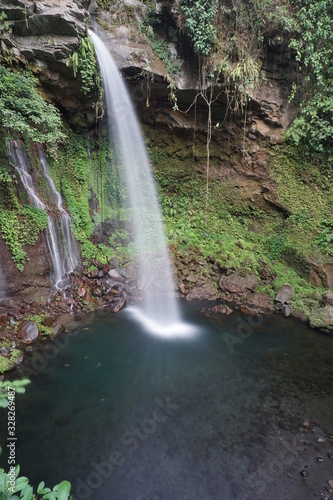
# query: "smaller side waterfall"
[[59, 236], [68, 250]]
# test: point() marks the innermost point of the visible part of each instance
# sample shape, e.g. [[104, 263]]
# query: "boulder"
[[206, 291], [221, 309], [238, 283], [282, 301], [81, 290], [260, 301], [58, 329], [328, 298], [322, 318], [27, 331], [192, 278], [119, 305], [285, 294], [116, 276], [48, 321], [3, 320]]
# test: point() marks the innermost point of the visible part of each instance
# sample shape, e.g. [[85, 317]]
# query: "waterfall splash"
[[59, 238], [159, 314]]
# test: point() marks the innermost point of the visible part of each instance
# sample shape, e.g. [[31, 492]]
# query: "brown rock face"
[[33, 281]]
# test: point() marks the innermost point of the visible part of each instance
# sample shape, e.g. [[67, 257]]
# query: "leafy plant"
[[199, 23], [84, 62], [24, 112], [313, 45], [13, 486], [159, 45]]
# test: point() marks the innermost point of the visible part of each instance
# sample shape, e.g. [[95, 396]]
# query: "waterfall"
[[68, 249], [59, 237], [134, 169]]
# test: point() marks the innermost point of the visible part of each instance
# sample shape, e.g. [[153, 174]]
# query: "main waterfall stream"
[[158, 315]]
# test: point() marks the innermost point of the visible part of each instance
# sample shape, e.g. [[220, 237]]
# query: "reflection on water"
[[126, 415]]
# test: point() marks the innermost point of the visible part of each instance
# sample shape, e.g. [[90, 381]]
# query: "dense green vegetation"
[[24, 112], [243, 235], [19, 224]]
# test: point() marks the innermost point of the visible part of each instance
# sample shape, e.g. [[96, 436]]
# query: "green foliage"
[[17, 385], [199, 23], [325, 237], [159, 45], [84, 61], [314, 52], [20, 227], [8, 362], [24, 112]]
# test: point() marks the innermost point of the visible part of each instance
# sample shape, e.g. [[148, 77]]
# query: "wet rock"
[[330, 483], [285, 294], [48, 321], [261, 301], [119, 305], [192, 278], [206, 291], [328, 298], [221, 309], [4, 350], [114, 262], [81, 290], [27, 331], [58, 329], [3, 320], [116, 276], [182, 288], [322, 318], [94, 273], [238, 282], [97, 292], [251, 311], [283, 299]]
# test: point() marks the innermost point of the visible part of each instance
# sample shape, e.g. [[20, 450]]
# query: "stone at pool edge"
[[328, 298], [27, 331], [283, 299]]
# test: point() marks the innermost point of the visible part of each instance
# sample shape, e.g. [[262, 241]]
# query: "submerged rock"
[[220, 309], [27, 331]]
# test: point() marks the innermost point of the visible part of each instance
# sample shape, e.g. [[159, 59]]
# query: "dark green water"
[[124, 415]]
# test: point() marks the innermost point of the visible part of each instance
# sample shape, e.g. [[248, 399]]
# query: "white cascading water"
[[68, 249], [160, 315], [56, 243]]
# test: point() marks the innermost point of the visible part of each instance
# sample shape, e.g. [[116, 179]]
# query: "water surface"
[[126, 415]]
